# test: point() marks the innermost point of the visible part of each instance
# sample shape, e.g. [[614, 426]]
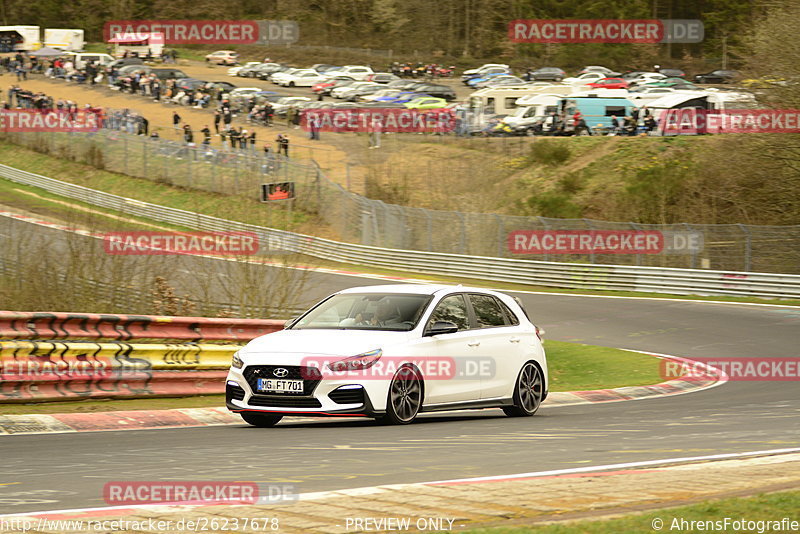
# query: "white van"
[[82, 59], [357, 72], [19, 38], [63, 39]]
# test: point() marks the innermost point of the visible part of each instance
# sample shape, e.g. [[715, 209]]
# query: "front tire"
[[261, 420], [405, 397], [528, 392]]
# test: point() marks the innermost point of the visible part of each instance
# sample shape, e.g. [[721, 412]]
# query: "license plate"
[[274, 385]]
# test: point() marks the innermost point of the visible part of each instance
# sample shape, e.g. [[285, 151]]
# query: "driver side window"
[[452, 309]]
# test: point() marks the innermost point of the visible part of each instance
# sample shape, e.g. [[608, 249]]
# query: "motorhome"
[[504, 100], [532, 109], [707, 100], [64, 39], [19, 38]]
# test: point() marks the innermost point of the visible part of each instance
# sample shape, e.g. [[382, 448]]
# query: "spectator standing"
[[252, 139], [290, 113], [176, 120], [206, 131], [375, 133], [217, 118]]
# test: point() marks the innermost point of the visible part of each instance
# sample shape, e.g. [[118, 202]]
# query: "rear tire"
[[528, 392], [261, 420]]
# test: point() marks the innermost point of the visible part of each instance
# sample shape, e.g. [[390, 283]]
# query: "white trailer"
[[141, 44], [64, 39], [19, 38]]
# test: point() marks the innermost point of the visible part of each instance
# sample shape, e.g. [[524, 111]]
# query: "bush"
[[549, 153]]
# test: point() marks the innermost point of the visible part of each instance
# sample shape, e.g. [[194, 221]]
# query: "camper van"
[[19, 38], [708, 100], [71, 40], [504, 100], [531, 110]]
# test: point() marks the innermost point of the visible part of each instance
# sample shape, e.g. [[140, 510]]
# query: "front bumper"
[[241, 397]]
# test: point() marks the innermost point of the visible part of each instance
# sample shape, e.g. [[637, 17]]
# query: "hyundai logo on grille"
[[280, 372]]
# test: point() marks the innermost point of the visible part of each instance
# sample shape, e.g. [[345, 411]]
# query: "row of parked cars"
[[497, 74], [352, 83]]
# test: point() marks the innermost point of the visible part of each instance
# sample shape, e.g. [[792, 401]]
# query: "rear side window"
[[452, 309], [619, 111], [488, 312]]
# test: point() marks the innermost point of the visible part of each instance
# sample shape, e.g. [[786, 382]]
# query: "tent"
[[47, 52]]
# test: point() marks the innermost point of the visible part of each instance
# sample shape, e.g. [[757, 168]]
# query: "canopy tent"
[[47, 52]]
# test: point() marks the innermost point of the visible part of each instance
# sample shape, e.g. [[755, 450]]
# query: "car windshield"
[[366, 311]]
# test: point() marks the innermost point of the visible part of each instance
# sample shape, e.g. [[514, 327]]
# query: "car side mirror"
[[441, 327]]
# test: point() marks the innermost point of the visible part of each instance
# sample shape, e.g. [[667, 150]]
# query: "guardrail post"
[[748, 247], [462, 241], [589, 225], [500, 232]]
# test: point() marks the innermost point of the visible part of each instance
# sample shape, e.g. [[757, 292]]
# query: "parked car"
[[426, 102], [277, 77], [630, 75], [718, 76], [323, 67], [325, 87], [548, 73], [496, 81], [353, 95], [124, 62], [359, 72], [223, 57], [609, 83], [391, 352], [672, 73], [646, 77], [382, 77], [584, 79], [383, 93], [248, 68], [435, 89], [484, 67], [597, 68], [305, 78], [471, 79], [282, 104], [340, 90], [168, 74]]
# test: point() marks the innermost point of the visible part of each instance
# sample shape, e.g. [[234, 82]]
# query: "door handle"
[[473, 343], [514, 340]]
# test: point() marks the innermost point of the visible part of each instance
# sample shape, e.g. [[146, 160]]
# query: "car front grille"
[[284, 401], [309, 375], [347, 396], [233, 393]]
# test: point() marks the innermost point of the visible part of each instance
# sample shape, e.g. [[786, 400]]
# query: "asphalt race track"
[[63, 471]]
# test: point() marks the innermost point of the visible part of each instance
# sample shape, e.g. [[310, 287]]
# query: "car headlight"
[[357, 363], [237, 362]]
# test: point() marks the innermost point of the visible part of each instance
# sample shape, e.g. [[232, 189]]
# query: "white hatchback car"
[[391, 352]]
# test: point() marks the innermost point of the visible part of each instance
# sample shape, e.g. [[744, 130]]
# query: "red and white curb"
[[197, 417]]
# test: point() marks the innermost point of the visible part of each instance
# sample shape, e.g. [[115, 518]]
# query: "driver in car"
[[386, 314]]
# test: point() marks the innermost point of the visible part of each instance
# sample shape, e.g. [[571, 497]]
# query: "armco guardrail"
[[61, 325], [567, 275], [53, 370]]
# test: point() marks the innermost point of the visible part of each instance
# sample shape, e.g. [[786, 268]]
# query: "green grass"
[[572, 367], [764, 507], [109, 405], [576, 367]]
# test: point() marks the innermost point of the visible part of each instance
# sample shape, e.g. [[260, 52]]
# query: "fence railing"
[[568, 275], [365, 221]]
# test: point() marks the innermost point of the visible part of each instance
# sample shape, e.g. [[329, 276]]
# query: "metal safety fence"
[[557, 274], [357, 219]]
